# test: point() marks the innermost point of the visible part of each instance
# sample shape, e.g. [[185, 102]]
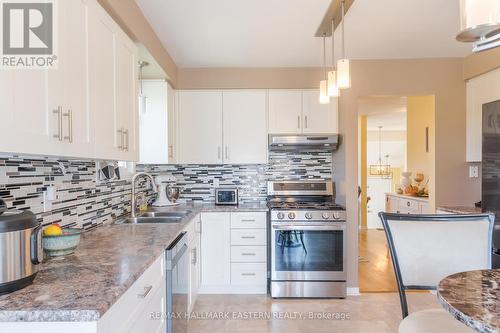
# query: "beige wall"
[[129, 16], [482, 62], [413, 77], [233, 78], [420, 114]]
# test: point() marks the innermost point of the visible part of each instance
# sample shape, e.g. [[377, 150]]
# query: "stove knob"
[[325, 216], [291, 215], [281, 216], [336, 215], [309, 216]]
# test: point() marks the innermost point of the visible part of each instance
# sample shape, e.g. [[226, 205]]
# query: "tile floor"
[[367, 313]]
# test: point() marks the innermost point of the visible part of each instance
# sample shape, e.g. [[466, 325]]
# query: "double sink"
[[157, 217]]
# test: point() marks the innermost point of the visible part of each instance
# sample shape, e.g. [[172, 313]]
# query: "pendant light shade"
[[323, 84], [343, 65], [323, 92], [333, 90], [343, 74]]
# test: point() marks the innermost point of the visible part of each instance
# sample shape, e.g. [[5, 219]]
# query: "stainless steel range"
[[308, 240]]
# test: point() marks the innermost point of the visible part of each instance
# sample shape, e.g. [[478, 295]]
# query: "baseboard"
[[353, 292], [234, 289]]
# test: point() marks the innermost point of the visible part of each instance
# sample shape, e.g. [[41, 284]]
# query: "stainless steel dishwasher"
[[177, 267]]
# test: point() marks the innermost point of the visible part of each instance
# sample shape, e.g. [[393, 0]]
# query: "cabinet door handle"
[[125, 134], [194, 258], [218, 152], [247, 274], [247, 237], [305, 122], [69, 114], [248, 220], [58, 112], [227, 155], [170, 151], [147, 290], [120, 131], [298, 122], [248, 254]]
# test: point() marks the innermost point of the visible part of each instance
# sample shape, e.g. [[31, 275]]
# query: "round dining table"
[[473, 298]]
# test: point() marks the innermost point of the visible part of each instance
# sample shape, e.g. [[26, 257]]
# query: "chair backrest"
[[427, 248]]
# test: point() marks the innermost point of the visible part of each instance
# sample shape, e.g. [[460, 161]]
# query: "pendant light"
[[343, 70], [333, 90], [379, 169], [323, 84], [480, 22]]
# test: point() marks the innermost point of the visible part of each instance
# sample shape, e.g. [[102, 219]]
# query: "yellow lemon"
[[53, 230]]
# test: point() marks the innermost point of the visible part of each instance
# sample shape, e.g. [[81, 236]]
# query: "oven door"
[[308, 252]]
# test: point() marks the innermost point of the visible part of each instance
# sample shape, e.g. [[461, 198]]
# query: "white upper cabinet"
[[126, 98], [101, 83], [153, 123], [76, 109], [245, 128], [200, 127], [318, 118], [285, 111], [113, 88], [299, 112], [480, 90]]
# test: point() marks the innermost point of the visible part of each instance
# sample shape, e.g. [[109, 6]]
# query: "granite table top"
[[460, 209], [473, 298], [109, 259]]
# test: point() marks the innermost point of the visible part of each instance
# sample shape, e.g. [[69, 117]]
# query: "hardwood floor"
[[375, 267]]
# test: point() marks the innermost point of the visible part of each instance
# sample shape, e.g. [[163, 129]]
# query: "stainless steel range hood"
[[295, 142]]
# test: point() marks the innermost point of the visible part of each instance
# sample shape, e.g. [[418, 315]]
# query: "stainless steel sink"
[[156, 217]]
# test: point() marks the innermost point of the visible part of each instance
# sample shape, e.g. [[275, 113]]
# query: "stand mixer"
[[164, 185]]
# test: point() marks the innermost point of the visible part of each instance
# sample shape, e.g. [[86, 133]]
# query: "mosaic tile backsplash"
[[197, 181], [81, 201], [85, 203]]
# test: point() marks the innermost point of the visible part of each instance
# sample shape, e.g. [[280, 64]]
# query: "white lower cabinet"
[[401, 204], [234, 252], [194, 238]]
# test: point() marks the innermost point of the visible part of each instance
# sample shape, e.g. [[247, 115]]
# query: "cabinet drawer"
[[408, 205], [248, 237], [137, 297], [248, 273], [248, 220], [249, 253]]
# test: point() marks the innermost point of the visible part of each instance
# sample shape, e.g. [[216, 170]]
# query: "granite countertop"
[[473, 298], [460, 209], [109, 259]]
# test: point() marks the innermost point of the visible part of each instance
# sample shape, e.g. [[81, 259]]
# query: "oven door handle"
[[309, 227]]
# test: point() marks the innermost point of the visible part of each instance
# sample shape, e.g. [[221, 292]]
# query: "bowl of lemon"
[[57, 241]]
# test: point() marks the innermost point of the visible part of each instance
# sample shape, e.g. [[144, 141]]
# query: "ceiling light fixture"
[[333, 90], [343, 66], [480, 21], [379, 169], [323, 84]]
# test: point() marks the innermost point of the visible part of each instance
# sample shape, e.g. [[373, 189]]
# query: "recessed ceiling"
[[280, 33]]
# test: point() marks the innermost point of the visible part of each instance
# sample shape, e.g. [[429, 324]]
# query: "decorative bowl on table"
[[60, 245]]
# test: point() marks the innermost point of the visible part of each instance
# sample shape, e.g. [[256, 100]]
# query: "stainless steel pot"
[[20, 248]]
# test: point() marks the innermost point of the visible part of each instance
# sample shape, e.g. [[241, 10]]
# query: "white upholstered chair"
[[426, 249]]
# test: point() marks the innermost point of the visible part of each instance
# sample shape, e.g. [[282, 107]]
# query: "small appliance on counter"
[[20, 248], [167, 193], [226, 196]]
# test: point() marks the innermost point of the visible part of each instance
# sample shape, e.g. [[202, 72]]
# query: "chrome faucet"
[[134, 178]]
